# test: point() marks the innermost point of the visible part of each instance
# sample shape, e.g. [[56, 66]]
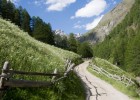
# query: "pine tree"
[[38, 29], [7, 9], [10, 11], [64, 42], [84, 50], [26, 22], [43, 31], [132, 56], [61, 41], [0, 8], [4, 10], [21, 15], [50, 34], [72, 43], [17, 17]]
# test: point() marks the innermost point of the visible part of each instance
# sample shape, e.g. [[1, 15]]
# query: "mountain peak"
[[108, 22]]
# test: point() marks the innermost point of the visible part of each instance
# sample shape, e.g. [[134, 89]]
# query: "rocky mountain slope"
[[108, 22]]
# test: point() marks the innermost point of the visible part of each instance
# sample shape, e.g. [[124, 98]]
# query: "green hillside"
[[122, 45], [106, 67], [27, 54]]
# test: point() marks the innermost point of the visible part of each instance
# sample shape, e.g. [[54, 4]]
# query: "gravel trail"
[[97, 89]]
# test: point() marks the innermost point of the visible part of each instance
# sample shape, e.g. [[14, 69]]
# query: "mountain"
[[122, 45], [59, 32], [27, 54], [108, 22]]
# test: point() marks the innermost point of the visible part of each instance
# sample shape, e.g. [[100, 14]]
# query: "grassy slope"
[[130, 90], [25, 53]]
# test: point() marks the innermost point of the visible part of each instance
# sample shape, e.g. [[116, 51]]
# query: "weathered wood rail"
[[123, 79], [7, 81]]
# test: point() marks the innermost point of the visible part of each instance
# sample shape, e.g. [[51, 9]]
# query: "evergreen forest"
[[122, 45]]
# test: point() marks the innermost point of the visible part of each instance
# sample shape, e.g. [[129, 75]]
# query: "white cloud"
[[93, 8], [88, 26], [78, 25], [58, 5], [94, 23], [39, 2], [72, 17]]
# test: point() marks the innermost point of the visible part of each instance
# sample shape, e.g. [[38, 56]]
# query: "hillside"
[[122, 45], [115, 76], [108, 22], [27, 54]]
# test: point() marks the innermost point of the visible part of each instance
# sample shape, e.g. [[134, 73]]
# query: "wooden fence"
[[125, 80], [7, 81]]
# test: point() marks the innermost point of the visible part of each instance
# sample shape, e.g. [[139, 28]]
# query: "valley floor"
[[98, 89]]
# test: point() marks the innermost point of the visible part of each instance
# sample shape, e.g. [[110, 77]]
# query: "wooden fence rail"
[[30, 73], [125, 80], [7, 81]]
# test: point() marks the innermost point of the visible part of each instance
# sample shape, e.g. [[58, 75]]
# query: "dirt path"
[[97, 88]]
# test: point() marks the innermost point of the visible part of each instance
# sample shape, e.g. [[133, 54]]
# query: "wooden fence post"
[[66, 64], [2, 79], [55, 72], [69, 69]]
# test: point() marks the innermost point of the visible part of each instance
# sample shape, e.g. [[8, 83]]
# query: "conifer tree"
[[10, 10], [84, 50], [72, 43], [43, 31], [0, 8], [4, 10], [17, 17], [26, 21]]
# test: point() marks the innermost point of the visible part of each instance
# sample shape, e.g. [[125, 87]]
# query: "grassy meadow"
[[27, 54]]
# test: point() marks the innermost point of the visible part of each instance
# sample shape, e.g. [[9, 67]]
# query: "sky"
[[71, 16]]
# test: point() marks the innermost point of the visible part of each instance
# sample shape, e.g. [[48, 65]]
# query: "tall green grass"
[[27, 54], [111, 68]]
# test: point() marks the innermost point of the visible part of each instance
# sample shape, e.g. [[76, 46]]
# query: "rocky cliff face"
[[108, 22]]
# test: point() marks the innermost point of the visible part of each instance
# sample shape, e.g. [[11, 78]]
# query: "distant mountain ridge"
[[108, 22]]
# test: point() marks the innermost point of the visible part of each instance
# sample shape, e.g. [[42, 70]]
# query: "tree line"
[[72, 44], [41, 30], [33, 25], [122, 45]]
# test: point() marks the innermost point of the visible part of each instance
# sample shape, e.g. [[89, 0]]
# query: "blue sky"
[[77, 16]]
